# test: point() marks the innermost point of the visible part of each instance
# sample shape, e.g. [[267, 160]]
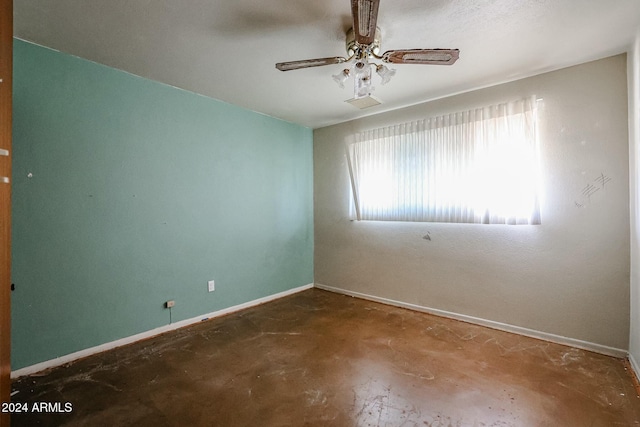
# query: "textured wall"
[[568, 276], [129, 193]]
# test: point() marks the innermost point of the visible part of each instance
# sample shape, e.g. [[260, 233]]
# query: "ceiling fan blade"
[[306, 63], [422, 56], [365, 16]]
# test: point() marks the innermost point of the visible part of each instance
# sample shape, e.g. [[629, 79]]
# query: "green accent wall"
[[128, 193]]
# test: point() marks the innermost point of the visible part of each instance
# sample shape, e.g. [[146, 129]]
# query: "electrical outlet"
[[211, 285], [169, 304]]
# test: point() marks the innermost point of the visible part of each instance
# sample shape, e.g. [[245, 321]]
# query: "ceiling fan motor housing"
[[352, 45]]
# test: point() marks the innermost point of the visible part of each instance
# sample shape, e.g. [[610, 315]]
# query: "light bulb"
[[362, 66]]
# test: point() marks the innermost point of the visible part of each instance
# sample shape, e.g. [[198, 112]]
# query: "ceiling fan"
[[363, 44]]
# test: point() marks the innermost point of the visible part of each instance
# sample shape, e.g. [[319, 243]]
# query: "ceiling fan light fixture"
[[362, 85], [385, 73], [361, 66], [341, 78]]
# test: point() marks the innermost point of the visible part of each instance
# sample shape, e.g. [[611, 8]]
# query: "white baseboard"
[[558, 339], [28, 370], [634, 366], [585, 345]]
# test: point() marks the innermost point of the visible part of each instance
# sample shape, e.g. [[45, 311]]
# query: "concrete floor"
[[322, 359]]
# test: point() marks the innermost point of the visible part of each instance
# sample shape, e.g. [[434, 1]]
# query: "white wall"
[[568, 276], [634, 170]]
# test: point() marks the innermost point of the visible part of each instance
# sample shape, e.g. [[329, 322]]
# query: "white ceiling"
[[226, 49]]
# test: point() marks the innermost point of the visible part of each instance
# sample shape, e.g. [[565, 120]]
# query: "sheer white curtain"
[[473, 166]]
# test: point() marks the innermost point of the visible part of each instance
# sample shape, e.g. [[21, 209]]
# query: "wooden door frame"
[[6, 70]]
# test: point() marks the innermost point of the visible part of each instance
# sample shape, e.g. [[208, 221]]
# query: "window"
[[477, 166]]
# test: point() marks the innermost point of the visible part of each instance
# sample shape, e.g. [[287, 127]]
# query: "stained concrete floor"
[[323, 359]]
